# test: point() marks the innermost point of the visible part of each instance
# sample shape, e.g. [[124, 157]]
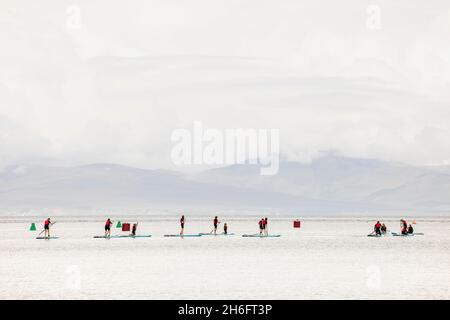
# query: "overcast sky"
[[108, 81]]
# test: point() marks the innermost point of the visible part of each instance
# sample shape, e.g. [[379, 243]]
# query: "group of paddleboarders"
[[216, 223], [263, 226], [108, 224], [405, 228], [381, 229]]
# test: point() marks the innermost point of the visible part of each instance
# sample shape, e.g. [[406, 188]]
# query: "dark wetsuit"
[[108, 225], [182, 223], [405, 228], [378, 229]]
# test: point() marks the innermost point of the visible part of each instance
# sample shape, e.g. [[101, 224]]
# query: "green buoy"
[[119, 225], [33, 227]]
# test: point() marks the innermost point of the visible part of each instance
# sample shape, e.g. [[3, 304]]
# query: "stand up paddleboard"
[[261, 236], [217, 234], [47, 238], [407, 235], [181, 235], [123, 236], [377, 236]]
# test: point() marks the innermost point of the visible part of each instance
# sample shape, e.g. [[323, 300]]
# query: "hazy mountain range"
[[330, 184]]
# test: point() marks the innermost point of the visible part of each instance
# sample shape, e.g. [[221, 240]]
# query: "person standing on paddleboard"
[[261, 227], [108, 228], [225, 228], [133, 230], [182, 222], [47, 224], [383, 228], [215, 224], [266, 226]]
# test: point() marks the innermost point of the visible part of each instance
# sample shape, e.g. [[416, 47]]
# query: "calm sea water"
[[325, 259]]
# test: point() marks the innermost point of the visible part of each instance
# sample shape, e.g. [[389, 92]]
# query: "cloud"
[[19, 145], [113, 89]]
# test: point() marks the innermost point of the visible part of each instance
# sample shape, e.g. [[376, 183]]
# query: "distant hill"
[[327, 185], [370, 183]]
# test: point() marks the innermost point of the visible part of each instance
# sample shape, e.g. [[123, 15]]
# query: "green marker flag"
[[33, 227], [119, 224]]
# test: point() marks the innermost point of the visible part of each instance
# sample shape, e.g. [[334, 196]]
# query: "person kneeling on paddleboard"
[[108, 228], [377, 228], [404, 226], [410, 229]]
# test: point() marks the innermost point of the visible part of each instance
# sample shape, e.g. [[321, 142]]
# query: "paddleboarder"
[[133, 230], [215, 224], [383, 228], [225, 228], [182, 222], [404, 226], [47, 224], [410, 229], [261, 227], [266, 226], [377, 228], [108, 228]]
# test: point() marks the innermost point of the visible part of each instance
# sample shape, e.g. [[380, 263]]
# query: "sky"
[[103, 81]]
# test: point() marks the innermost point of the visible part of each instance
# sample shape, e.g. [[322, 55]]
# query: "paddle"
[[44, 229], [213, 229]]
